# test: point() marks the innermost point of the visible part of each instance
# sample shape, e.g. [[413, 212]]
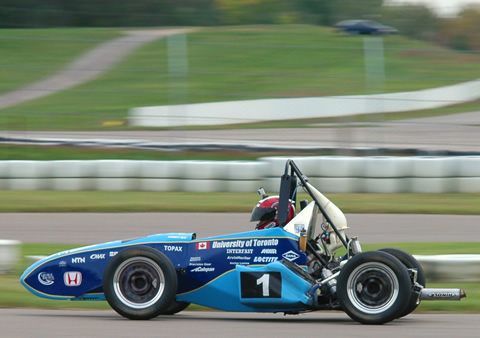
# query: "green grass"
[[137, 201], [29, 55], [12, 293], [229, 63], [49, 153]]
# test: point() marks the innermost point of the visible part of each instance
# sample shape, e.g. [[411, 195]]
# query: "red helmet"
[[266, 210]]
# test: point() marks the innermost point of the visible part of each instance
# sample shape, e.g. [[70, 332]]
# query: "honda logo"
[[72, 278]]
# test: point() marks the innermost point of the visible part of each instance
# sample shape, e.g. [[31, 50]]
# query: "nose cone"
[[42, 279], [37, 281]]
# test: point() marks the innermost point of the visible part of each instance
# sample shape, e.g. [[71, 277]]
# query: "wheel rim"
[[139, 282], [373, 287]]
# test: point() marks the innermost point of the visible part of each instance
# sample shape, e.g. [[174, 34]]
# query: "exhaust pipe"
[[442, 294]]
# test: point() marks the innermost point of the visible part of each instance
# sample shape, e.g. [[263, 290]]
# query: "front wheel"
[[373, 287], [140, 283]]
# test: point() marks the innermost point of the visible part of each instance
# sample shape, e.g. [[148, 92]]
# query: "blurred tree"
[[462, 32], [234, 12], [106, 13], [328, 12], [415, 21]]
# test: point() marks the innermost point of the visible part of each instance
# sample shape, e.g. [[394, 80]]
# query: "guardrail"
[[333, 174]]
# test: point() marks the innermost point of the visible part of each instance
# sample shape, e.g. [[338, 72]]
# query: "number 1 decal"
[[261, 284], [265, 282]]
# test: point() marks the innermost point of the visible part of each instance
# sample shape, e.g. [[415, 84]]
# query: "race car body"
[[286, 269]]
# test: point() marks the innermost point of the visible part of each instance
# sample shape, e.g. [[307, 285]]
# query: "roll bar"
[[288, 186]]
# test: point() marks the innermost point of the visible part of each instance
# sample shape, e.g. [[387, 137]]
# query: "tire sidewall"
[[169, 288], [411, 263], [373, 258]]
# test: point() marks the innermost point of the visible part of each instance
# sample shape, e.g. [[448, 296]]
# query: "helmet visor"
[[262, 214]]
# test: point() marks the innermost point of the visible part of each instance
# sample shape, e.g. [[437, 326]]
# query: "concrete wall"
[[232, 112], [331, 174]]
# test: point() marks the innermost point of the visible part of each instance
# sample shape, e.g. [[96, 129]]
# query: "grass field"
[[229, 63], [12, 293]]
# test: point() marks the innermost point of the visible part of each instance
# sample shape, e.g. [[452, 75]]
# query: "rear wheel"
[[411, 263], [373, 287], [140, 283]]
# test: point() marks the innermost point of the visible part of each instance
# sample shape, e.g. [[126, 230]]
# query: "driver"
[[266, 211]]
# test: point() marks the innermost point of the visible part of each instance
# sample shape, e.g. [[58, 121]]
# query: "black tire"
[[140, 283], [175, 307], [373, 287], [411, 263]]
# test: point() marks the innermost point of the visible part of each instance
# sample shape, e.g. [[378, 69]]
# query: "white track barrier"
[[9, 254], [217, 113], [332, 174], [451, 268], [468, 173]]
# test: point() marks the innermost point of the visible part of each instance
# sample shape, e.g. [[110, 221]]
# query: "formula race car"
[[285, 268]]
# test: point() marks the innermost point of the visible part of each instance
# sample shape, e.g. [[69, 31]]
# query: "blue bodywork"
[[238, 272]]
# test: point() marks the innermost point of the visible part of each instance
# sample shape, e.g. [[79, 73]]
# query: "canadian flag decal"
[[203, 245], [72, 278]]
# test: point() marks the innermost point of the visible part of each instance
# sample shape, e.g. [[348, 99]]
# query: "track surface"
[[89, 228], [458, 132], [62, 323]]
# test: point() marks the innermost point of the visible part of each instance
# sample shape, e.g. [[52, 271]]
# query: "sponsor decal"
[[269, 251], [265, 259], [62, 264], [203, 245], [78, 260], [265, 242], [240, 244], [239, 251], [72, 278], [112, 253], [199, 264], [97, 256], [177, 237], [290, 255], [202, 269], [440, 294], [228, 244], [46, 278], [195, 259], [172, 248], [239, 258]]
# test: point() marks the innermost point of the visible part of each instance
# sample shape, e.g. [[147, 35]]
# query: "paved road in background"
[[458, 132], [87, 66], [68, 323], [90, 228]]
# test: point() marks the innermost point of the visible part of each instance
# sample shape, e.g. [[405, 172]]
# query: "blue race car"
[[284, 268]]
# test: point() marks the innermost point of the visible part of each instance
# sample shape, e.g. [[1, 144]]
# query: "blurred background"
[[74, 72], [232, 50]]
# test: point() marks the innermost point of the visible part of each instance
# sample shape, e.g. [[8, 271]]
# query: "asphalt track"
[[457, 132], [90, 228], [71, 323]]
